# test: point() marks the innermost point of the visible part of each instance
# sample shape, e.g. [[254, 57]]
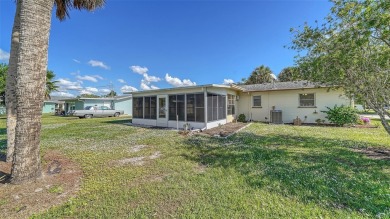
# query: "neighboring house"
[[208, 106], [48, 107], [119, 103], [54, 105]]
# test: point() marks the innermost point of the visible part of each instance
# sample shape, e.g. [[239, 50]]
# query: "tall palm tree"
[[50, 84], [26, 90]]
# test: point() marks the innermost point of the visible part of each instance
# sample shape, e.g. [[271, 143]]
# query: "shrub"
[[241, 118], [341, 115]]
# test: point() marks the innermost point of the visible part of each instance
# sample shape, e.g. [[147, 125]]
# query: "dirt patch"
[[60, 180], [156, 155], [374, 153], [201, 168], [225, 130], [136, 161], [137, 148]]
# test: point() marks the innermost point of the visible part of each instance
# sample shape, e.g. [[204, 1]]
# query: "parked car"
[[94, 111]]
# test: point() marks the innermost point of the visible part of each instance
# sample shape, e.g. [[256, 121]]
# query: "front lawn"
[[264, 171]]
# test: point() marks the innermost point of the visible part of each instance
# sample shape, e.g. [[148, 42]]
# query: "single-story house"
[[207, 106], [119, 103], [54, 105]]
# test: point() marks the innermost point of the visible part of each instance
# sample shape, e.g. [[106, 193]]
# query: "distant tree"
[[88, 96], [111, 94], [261, 74], [3, 75], [351, 50], [289, 74], [50, 84]]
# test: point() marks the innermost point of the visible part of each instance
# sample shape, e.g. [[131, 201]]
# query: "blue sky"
[[140, 45]]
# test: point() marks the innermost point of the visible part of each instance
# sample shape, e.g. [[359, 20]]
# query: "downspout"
[[205, 107], [249, 104]]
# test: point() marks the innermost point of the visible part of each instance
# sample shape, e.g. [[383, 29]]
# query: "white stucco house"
[[207, 106]]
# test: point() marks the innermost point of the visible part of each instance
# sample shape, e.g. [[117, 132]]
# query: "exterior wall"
[[126, 105], [193, 125], [79, 105], [214, 124], [288, 102], [48, 107]]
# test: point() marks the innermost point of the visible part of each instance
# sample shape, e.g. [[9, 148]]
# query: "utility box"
[[276, 117]]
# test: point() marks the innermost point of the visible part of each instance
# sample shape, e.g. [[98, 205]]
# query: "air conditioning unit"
[[276, 117]]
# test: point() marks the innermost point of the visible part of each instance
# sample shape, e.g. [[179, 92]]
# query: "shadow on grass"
[[123, 121], [312, 170]]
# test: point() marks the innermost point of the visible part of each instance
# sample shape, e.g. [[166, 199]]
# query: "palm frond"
[[63, 6]]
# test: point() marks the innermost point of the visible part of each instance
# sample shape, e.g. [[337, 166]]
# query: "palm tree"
[[50, 84], [26, 89], [261, 74], [289, 74]]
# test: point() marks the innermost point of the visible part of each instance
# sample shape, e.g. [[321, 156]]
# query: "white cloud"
[[98, 77], [139, 70], [89, 90], [154, 87], [176, 82], [61, 94], [95, 63], [144, 86], [104, 91], [87, 78], [122, 81], [228, 81], [65, 85], [149, 79], [127, 88], [4, 56], [77, 61]]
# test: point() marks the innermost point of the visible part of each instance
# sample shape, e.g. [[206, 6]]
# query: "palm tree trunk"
[[10, 100], [35, 19]]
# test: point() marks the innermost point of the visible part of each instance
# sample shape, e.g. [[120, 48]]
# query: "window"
[[138, 107], [195, 107], [216, 107], [230, 106], [307, 100], [150, 108], [256, 101], [176, 107]]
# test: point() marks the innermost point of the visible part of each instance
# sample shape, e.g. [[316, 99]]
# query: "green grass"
[[265, 171]]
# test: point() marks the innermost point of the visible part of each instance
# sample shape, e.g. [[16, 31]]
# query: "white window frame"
[[314, 100]]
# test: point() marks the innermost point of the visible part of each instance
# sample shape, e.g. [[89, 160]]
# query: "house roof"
[[290, 85], [123, 97], [232, 86]]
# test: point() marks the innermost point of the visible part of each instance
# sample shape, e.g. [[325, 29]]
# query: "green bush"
[[341, 115], [241, 118]]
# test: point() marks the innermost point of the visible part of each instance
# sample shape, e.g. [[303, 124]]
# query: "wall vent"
[[276, 117]]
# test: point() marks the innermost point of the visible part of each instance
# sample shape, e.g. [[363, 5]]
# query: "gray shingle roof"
[[291, 85]]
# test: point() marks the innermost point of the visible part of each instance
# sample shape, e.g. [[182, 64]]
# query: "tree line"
[[263, 74]]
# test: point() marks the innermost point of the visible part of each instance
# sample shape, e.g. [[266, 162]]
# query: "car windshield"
[[89, 108]]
